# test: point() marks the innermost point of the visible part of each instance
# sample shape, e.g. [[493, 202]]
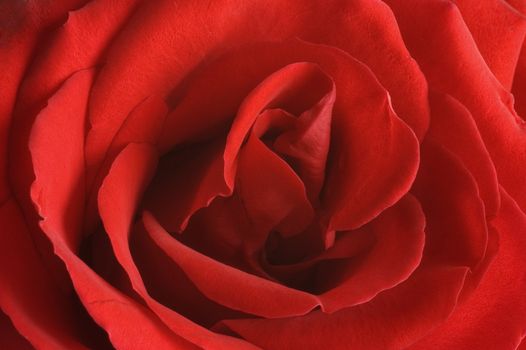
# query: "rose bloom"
[[262, 174]]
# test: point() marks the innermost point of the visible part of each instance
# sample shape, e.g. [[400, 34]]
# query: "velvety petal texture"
[[336, 174]]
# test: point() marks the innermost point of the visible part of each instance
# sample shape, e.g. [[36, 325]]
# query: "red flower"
[[262, 174]]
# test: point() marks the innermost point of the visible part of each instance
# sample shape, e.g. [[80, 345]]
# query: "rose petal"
[[229, 286], [134, 53], [29, 295], [58, 193], [372, 36], [399, 235], [494, 317], [77, 44], [144, 124], [187, 180], [280, 90], [118, 199], [11, 339], [453, 127], [456, 229], [498, 30], [307, 144], [21, 24], [519, 85], [167, 283], [393, 320], [435, 27], [273, 196]]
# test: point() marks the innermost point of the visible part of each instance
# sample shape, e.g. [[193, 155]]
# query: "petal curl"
[[58, 194], [243, 291], [433, 27], [498, 30], [494, 317], [118, 200]]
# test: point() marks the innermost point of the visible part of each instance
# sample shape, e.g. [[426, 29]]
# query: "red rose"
[[262, 174]]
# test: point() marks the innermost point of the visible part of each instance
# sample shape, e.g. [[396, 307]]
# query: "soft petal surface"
[[393, 320], [494, 317], [118, 199], [229, 286], [60, 202], [456, 226], [21, 24], [399, 235], [498, 30], [433, 27], [37, 308], [11, 339], [453, 127], [134, 53]]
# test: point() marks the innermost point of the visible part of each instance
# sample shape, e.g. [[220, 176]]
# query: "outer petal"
[[58, 193], [399, 235], [498, 30], [38, 309], [11, 339], [118, 198], [393, 320], [453, 127], [456, 224], [433, 27], [494, 317], [211, 27], [21, 24]]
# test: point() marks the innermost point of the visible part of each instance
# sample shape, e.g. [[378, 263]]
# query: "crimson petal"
[[58, 193]]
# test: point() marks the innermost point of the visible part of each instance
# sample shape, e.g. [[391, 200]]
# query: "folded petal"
[[21, 24], [399, 236], [453, 127], [11, 339], [118, 200], [498, 30], [494, 316], [77, 44], [456, 229], [272, 194], [188, 179], [393, 320], [229, 286], [37, 307], [59, 193], [433, 27]]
